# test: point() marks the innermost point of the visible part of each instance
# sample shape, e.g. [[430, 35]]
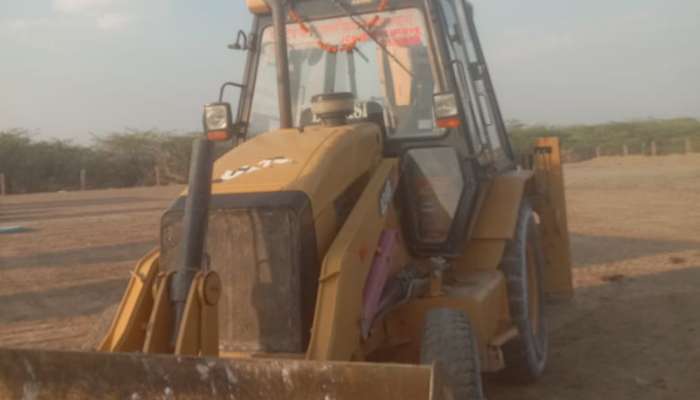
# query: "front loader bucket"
[[38, 375]]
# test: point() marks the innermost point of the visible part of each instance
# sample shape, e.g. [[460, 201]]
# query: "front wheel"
[[449, 340]]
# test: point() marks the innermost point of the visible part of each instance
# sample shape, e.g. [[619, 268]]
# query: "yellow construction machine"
[[368, 235]]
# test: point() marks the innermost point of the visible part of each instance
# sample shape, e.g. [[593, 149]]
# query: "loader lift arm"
[[174, 312]]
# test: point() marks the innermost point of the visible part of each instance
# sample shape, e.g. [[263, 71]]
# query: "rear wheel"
[[448, 339], [522, 265]]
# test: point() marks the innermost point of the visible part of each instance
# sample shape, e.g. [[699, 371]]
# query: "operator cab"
[[333, 55], [413, 67]]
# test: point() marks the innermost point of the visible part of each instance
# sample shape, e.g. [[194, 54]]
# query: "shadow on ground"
[[47, 215], [86, 255], [659, 319], [34, 205], [589, 250], [77, 300]]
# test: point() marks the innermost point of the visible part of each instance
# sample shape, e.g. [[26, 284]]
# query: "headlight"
[[216, 117], [446, 110], [217, 121]]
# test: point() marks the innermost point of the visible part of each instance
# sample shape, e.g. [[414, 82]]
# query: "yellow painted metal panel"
[[551, 207], [291, 159], [257, 6], [160, 324], [128, 330], [44, 375], [336, 329], [481, 254], [320, 161], [482, 297], [499, 213]]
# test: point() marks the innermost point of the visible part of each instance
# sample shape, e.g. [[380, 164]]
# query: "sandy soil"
[[74, 262], [632, 332]]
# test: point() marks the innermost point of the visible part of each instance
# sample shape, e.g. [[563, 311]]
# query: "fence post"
[[3, 190], [688, 146], [157, 172], [597, 152], [83, 179], [625, 150], [653, 148]]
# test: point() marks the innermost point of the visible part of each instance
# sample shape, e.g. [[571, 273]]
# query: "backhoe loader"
[[369, 234]]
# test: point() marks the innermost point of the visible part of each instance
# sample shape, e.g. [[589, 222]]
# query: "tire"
[[522, 265], [99, 328], [449, 340]]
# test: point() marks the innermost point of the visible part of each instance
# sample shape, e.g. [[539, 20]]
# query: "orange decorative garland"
[[335, 48]]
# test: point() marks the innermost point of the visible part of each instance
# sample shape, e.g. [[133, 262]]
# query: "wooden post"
[[688, 146], [83, 179], [157, 172], [3, 189], [653, 148], [597, 152], [625, 150]]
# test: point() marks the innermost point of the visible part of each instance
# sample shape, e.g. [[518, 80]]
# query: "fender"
[[495, 223], [499, 214]]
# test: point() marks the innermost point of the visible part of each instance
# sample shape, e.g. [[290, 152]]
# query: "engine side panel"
[[336, 329], [499, 213]]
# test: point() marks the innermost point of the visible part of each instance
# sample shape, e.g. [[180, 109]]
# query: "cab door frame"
[[472, 79], [478, 168], [474, 174]]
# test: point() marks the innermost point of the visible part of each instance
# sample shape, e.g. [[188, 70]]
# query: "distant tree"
[[39, 166], [174, 156], [515, 124], [580, 141], [124, 159], [14, 151], [131, 157]]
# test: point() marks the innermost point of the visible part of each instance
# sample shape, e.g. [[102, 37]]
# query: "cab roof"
[[260, 7]]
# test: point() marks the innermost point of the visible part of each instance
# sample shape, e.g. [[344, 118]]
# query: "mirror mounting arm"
[[242, 42], [225, 85], [237, 129]]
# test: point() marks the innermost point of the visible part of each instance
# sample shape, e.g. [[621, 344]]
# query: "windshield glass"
[[335, 55]]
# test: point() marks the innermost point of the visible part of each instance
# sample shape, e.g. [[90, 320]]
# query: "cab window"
[[394, 73]]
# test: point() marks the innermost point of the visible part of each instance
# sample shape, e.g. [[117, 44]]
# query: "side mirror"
[[446, 110]]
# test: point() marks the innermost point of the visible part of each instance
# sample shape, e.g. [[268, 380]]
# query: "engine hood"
[[320, 161]]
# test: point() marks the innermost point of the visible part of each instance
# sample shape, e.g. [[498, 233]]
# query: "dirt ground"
[[632, 332]]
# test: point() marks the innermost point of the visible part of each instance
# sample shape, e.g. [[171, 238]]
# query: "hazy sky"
[[69, 68]]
